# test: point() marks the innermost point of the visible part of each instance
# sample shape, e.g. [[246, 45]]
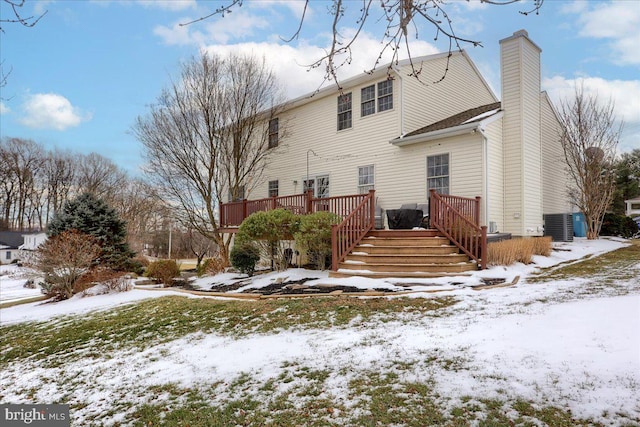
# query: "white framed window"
[[366, 179], [368, 100], [319, 184], [385, 95], [273, 188], [344, 111], [438, 173], [273, 132]]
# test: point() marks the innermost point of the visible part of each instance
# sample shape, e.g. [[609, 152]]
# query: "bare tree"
[[60, 171], [590, 136], [21, 162], [99, 176], [207, 136], [402, 17]]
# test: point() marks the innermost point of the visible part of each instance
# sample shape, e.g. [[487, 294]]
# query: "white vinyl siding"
[[495, 198], [460, 90], [520, 63], [400, 172], [554, 176]]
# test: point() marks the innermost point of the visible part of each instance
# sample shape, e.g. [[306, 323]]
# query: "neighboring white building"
[[33, 240], [402, 137], [10, 241], [632, 208]]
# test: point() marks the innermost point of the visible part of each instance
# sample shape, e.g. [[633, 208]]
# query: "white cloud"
[[616, 21], [4, 109], [624, 93], [51, 111], [173, 5], [234, 26], [290, 62]]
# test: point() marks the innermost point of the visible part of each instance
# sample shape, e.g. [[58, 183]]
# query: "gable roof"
[[472, 115], [11, 239]]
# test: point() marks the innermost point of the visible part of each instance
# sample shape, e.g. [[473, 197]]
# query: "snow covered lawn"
[[556, 349]]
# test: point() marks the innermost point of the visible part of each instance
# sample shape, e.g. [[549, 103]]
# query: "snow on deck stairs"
[[404, 253]]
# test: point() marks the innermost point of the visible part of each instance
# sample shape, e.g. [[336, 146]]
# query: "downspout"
[[485, 143], [401, 100]]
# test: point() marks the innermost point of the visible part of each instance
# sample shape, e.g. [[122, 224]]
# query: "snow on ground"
[[12, 280], [526, 342]]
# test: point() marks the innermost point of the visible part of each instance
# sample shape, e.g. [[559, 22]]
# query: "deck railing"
[[232, 214], [346, 235], [458, 218]]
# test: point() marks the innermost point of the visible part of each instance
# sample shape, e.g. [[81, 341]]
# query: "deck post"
[[372, 210], [483, 248], [476, 213], [244, 210], [334, 247], [309, 201]]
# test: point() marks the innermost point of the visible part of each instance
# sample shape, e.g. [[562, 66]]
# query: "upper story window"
[[365, 179], [273, 188], [273, 132], [368, 100], [368, 103], [385, 95], [438, 173], [344, 111]]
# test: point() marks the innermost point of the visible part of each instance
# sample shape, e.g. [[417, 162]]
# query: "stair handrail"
[[346, 235], [467, 235]]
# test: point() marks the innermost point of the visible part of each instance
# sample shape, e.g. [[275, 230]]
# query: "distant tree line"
[[35, 183]]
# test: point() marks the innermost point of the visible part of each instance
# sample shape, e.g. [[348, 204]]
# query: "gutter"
[[436, 134], [400, 79]]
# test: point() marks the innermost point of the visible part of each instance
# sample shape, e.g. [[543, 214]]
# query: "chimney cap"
[[518, 34]]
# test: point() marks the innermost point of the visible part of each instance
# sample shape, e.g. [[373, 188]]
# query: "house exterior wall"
[[400, 172], [555, 179], [495, 164], [520, 64], [462, 88], [32, 241]]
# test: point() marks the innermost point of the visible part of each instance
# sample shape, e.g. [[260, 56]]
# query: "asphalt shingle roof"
[[457, 119]]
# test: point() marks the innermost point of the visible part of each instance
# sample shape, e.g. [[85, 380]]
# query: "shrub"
[[542, 245], [212, 266], [64, 259], [164, 271], [314, 235], [244, 257], [522, 250], [618, 225], [138, 265], [270, 231]]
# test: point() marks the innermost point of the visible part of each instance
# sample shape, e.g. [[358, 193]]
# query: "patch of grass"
[[159, 320], [609, 267], [22, 301]]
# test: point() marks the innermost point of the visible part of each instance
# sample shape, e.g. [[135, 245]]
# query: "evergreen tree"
[[90, 215]]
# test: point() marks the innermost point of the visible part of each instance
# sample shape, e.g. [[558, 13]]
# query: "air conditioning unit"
[[559, 227]]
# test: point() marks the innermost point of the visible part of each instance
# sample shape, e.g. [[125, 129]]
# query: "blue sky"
[[82, 75]]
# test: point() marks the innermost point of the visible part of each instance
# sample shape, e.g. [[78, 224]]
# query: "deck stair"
[[404, 253]]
